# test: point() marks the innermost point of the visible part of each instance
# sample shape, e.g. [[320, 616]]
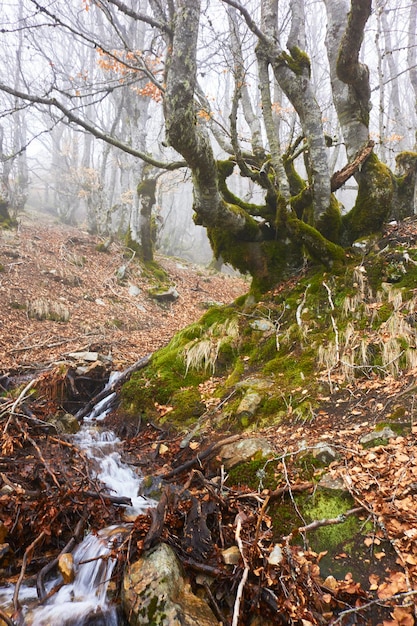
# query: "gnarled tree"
[[295, 212]]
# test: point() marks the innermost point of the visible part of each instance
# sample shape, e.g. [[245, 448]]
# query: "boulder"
[[155, 592], [249, 404], [245, 450], [377, 435]]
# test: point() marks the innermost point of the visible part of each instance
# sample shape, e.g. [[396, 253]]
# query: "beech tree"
[[265, 51]]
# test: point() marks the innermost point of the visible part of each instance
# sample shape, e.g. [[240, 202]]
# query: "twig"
[[384, 602], [45, 463], [199, 457], [324, 522], [26, 557], [17, 401], [300, 307], [6, 619], [239, 593]]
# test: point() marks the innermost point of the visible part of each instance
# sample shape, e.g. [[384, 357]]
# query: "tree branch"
[[54, 103]]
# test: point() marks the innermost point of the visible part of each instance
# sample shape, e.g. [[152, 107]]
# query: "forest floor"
[[46, 488], [53, 271]]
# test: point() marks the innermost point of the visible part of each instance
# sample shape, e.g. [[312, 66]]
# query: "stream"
[[85, 601]]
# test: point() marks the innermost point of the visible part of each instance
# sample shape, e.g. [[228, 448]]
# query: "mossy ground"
[[316, 326]]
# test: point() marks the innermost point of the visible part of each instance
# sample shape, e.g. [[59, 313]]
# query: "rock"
[[385, 433], [133, 290], [328, 482], [65, 423], [244, 450], [324, 453], [66, 567], [171, 295], [249, 404], [155, 592], [231, 556], [262, 325], [84, 356]]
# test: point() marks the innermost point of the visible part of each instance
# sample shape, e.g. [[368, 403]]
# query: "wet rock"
[[66, 567], [65, 423], [155, 592], [244, 450]]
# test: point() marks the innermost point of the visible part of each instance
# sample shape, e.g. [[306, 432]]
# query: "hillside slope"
[[59, 293]]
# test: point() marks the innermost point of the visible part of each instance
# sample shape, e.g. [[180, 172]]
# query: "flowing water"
[[84, 602]]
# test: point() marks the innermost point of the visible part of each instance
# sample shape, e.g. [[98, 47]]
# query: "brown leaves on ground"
[[54, 271]]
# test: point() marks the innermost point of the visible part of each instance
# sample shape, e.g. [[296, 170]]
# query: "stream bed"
[[85, 600]]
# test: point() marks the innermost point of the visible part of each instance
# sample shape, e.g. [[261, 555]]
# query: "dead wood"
[[340, 177], [158, 519], [142, 363], [106, 496], [201, 456], [6, 619]]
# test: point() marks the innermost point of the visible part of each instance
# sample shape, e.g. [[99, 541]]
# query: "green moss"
[[298, 61], [167, 381], [320, 248], [373, 202], [225, 169], [255, 474], [102, 247], [330, 222], [188, 407]]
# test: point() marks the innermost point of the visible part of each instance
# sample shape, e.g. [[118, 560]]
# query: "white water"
[[85, 600]]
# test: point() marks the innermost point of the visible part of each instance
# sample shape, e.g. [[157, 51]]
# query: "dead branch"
[[107, 496], [340, 177], [324, 522], [239, 593], [201, 456], [364, 607], [158, 519], [19, 399], [26, 558], [6, 619]]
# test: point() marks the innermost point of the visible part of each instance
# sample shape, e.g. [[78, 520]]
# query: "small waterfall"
[[84, 602]]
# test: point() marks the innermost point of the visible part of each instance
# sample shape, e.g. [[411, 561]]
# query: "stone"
[[263, 325], [66, 567], [171, 295], [324, 453], [231, 556], [244, 450], [249, 404], [329, 482], [65, 423], [84, 356], [385, 433], [133, 290], [155, 592]]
